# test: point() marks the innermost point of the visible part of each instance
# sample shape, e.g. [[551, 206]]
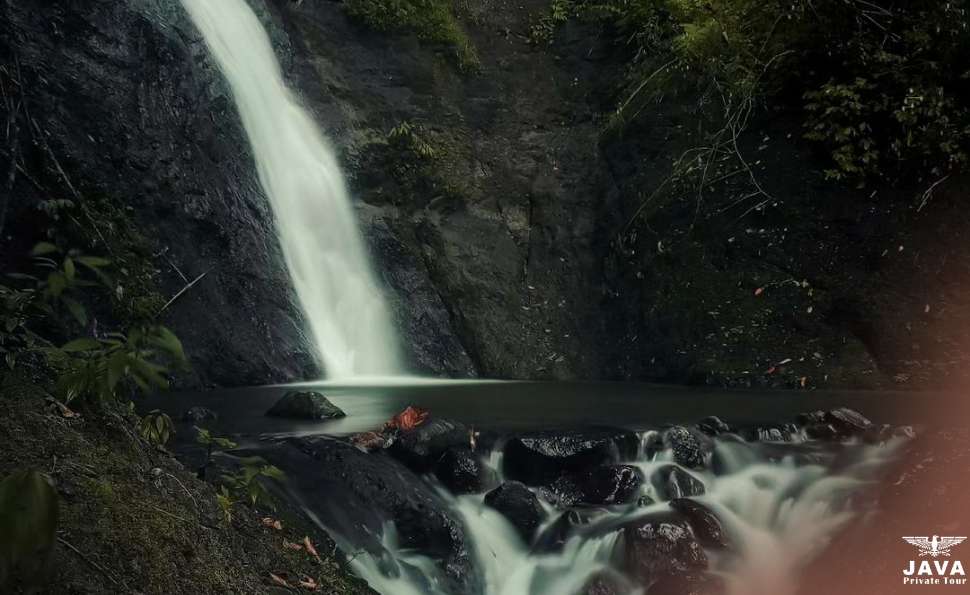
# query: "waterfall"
[[324, 251]]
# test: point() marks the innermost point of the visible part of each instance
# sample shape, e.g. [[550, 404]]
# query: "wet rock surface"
[[462, 471], [656, 551], [519, 505], [422, 446], [703, 522], [689, 450], [309, 405], [356, 493], [605, 485], [542, 457]]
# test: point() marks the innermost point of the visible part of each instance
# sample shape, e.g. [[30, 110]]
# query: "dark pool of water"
[[519, 405]]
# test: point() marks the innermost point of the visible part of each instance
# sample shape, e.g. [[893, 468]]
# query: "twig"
[[183, 290], [89, 561], [167, 513], [929, 192], [182, 485]]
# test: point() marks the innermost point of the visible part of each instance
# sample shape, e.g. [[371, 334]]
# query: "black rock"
[[672, 482], [198, 415], [422, 446], [847, 422], [810, 418], [688, 449], [600, 486], [356, 493], [462, 471], [784, 433], [821, 432], [305, 405], [519, 505], [713, 426], [605, 583], [659, 550], [540, 458], [702, 520]]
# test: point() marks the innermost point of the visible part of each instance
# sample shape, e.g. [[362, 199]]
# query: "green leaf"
[[43, 248], [76, 310], [57, 283], [167, 340], [93, 262], [69, 269], [82, 344]]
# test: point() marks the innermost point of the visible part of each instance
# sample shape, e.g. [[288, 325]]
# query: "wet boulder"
[[519, 505], [821, 431], [606, 583], [713, 426], [601, 486], [462, 471], [689, 450], [847, 422], [305, 405], [706, 526], [671, 482], [657, 552], [542, 457], [421, 446], [782, 433], [356, 494]]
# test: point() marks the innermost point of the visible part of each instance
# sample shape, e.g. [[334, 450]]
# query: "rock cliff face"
[[505, 247]]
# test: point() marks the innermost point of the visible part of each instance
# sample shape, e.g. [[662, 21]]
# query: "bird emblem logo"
[[935, 546]]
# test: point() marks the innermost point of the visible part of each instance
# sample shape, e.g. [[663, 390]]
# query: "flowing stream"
[[778, 510], [325, 253]]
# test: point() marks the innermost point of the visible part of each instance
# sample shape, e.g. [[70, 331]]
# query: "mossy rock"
[[305, 405]]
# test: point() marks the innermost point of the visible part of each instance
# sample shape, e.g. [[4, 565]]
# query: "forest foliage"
[[882, 88]]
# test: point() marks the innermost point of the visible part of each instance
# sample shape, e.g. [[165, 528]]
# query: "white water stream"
[[778, 514], [325, 253]]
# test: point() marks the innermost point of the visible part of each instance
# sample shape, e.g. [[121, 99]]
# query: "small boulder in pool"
[[305, 405]]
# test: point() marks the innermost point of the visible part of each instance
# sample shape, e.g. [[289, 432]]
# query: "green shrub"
[[882, 86], [97, 368], [431, 20]]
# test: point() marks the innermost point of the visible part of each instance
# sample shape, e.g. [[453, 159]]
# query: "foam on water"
[[778, 514]]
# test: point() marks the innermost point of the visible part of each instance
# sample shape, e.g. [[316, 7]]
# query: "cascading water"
[[324, 251], [778, 513]]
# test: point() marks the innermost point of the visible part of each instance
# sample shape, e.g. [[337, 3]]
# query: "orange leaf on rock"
[[292, 546], [408, 419], [279, 580], [759, 291]]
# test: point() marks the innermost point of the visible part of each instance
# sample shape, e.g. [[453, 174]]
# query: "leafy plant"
[[28, 524], [98, 367], [156, 427], [205, 438], [430, 20], [60, 278], [247, 483], [405, 136]]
